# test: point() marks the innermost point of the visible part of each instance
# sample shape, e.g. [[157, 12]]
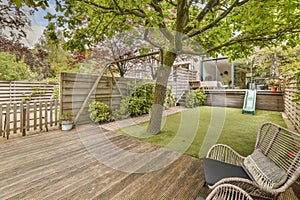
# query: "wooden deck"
[[65, 165]]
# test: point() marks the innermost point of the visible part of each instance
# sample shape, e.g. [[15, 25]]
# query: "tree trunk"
[[163, 73]]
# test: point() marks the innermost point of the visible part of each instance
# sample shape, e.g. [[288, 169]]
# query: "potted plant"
[[273, 83], [66, 120]]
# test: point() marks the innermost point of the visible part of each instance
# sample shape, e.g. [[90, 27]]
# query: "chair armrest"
[[226, 154], [250, 187], [228, 191]]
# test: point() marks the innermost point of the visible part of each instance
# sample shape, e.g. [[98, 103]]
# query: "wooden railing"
[[29, 116]]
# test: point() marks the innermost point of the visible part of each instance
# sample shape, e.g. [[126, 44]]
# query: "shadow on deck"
[[88, 163]]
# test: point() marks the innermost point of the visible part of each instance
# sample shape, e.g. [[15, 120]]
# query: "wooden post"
[[21, 117], [15, 118], [46, 116], [51, 113], [40, 115], [7, 120], [1, 120], [27, 116], [34, 115], [55, 113]]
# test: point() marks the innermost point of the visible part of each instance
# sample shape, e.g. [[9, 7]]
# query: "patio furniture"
[[270, 170]]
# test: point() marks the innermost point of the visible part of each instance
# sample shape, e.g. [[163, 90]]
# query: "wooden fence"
[[110, 90], [29, 116], [179, 81], [17, 91], [292, 109], [76, 87]]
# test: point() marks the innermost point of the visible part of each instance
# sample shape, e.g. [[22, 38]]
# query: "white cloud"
[[33, 35]]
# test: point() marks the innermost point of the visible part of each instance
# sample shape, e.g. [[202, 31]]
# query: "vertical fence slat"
[[15, 118], [40, 116], [51, 113], [55, 113], [292, 109], [27, 116], [34, 116], [21, 117], [7, 120], [23, 121], [1, 125], [46, 115]]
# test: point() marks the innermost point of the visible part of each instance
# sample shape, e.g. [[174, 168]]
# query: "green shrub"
[[122, 112], [195, 98], [140, 99], [170, 99], [99, 112]]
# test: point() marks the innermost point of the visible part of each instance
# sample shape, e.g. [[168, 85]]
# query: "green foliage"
[[122, 112], [284, 62], [56, 93], [195, 98], [99, 112], [36, 91], [66, 117], [11, 70], [233, 28], [170, 99], [140, 99]]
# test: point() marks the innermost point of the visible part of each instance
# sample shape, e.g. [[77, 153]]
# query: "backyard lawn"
[[186, 131]]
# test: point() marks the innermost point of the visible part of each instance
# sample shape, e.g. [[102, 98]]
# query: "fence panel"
[[24, 117], [16, 91], [292, 109]]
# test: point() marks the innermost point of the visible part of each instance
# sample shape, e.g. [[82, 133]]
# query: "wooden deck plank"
[[62, 165]]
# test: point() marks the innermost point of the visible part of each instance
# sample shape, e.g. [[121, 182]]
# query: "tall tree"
[[230, 27]]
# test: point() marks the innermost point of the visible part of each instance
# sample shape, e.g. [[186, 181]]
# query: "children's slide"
[[249, 102]]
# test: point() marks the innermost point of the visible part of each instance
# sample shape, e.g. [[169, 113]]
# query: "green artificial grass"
[[195, 130]]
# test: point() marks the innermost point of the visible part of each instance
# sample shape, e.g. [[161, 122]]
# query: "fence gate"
[[23, 117]]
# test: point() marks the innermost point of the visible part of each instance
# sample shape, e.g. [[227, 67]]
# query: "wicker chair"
[[272, 168]]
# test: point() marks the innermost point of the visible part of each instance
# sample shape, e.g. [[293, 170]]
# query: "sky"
[[38, 24]]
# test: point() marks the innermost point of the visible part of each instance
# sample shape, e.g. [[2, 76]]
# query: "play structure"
[[249, 102]]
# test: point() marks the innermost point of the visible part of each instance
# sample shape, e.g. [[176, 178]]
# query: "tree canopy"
[[229, 27], [12, 70]]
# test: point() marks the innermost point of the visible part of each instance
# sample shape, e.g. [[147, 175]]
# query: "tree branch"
[[192, 52], [171, 2], [251, 38], [92, 3], [202, 14], [136, 12], [218, 19], [148, 40], [162, 26]]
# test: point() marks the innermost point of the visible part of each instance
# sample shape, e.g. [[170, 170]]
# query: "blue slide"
[[249, 102]]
